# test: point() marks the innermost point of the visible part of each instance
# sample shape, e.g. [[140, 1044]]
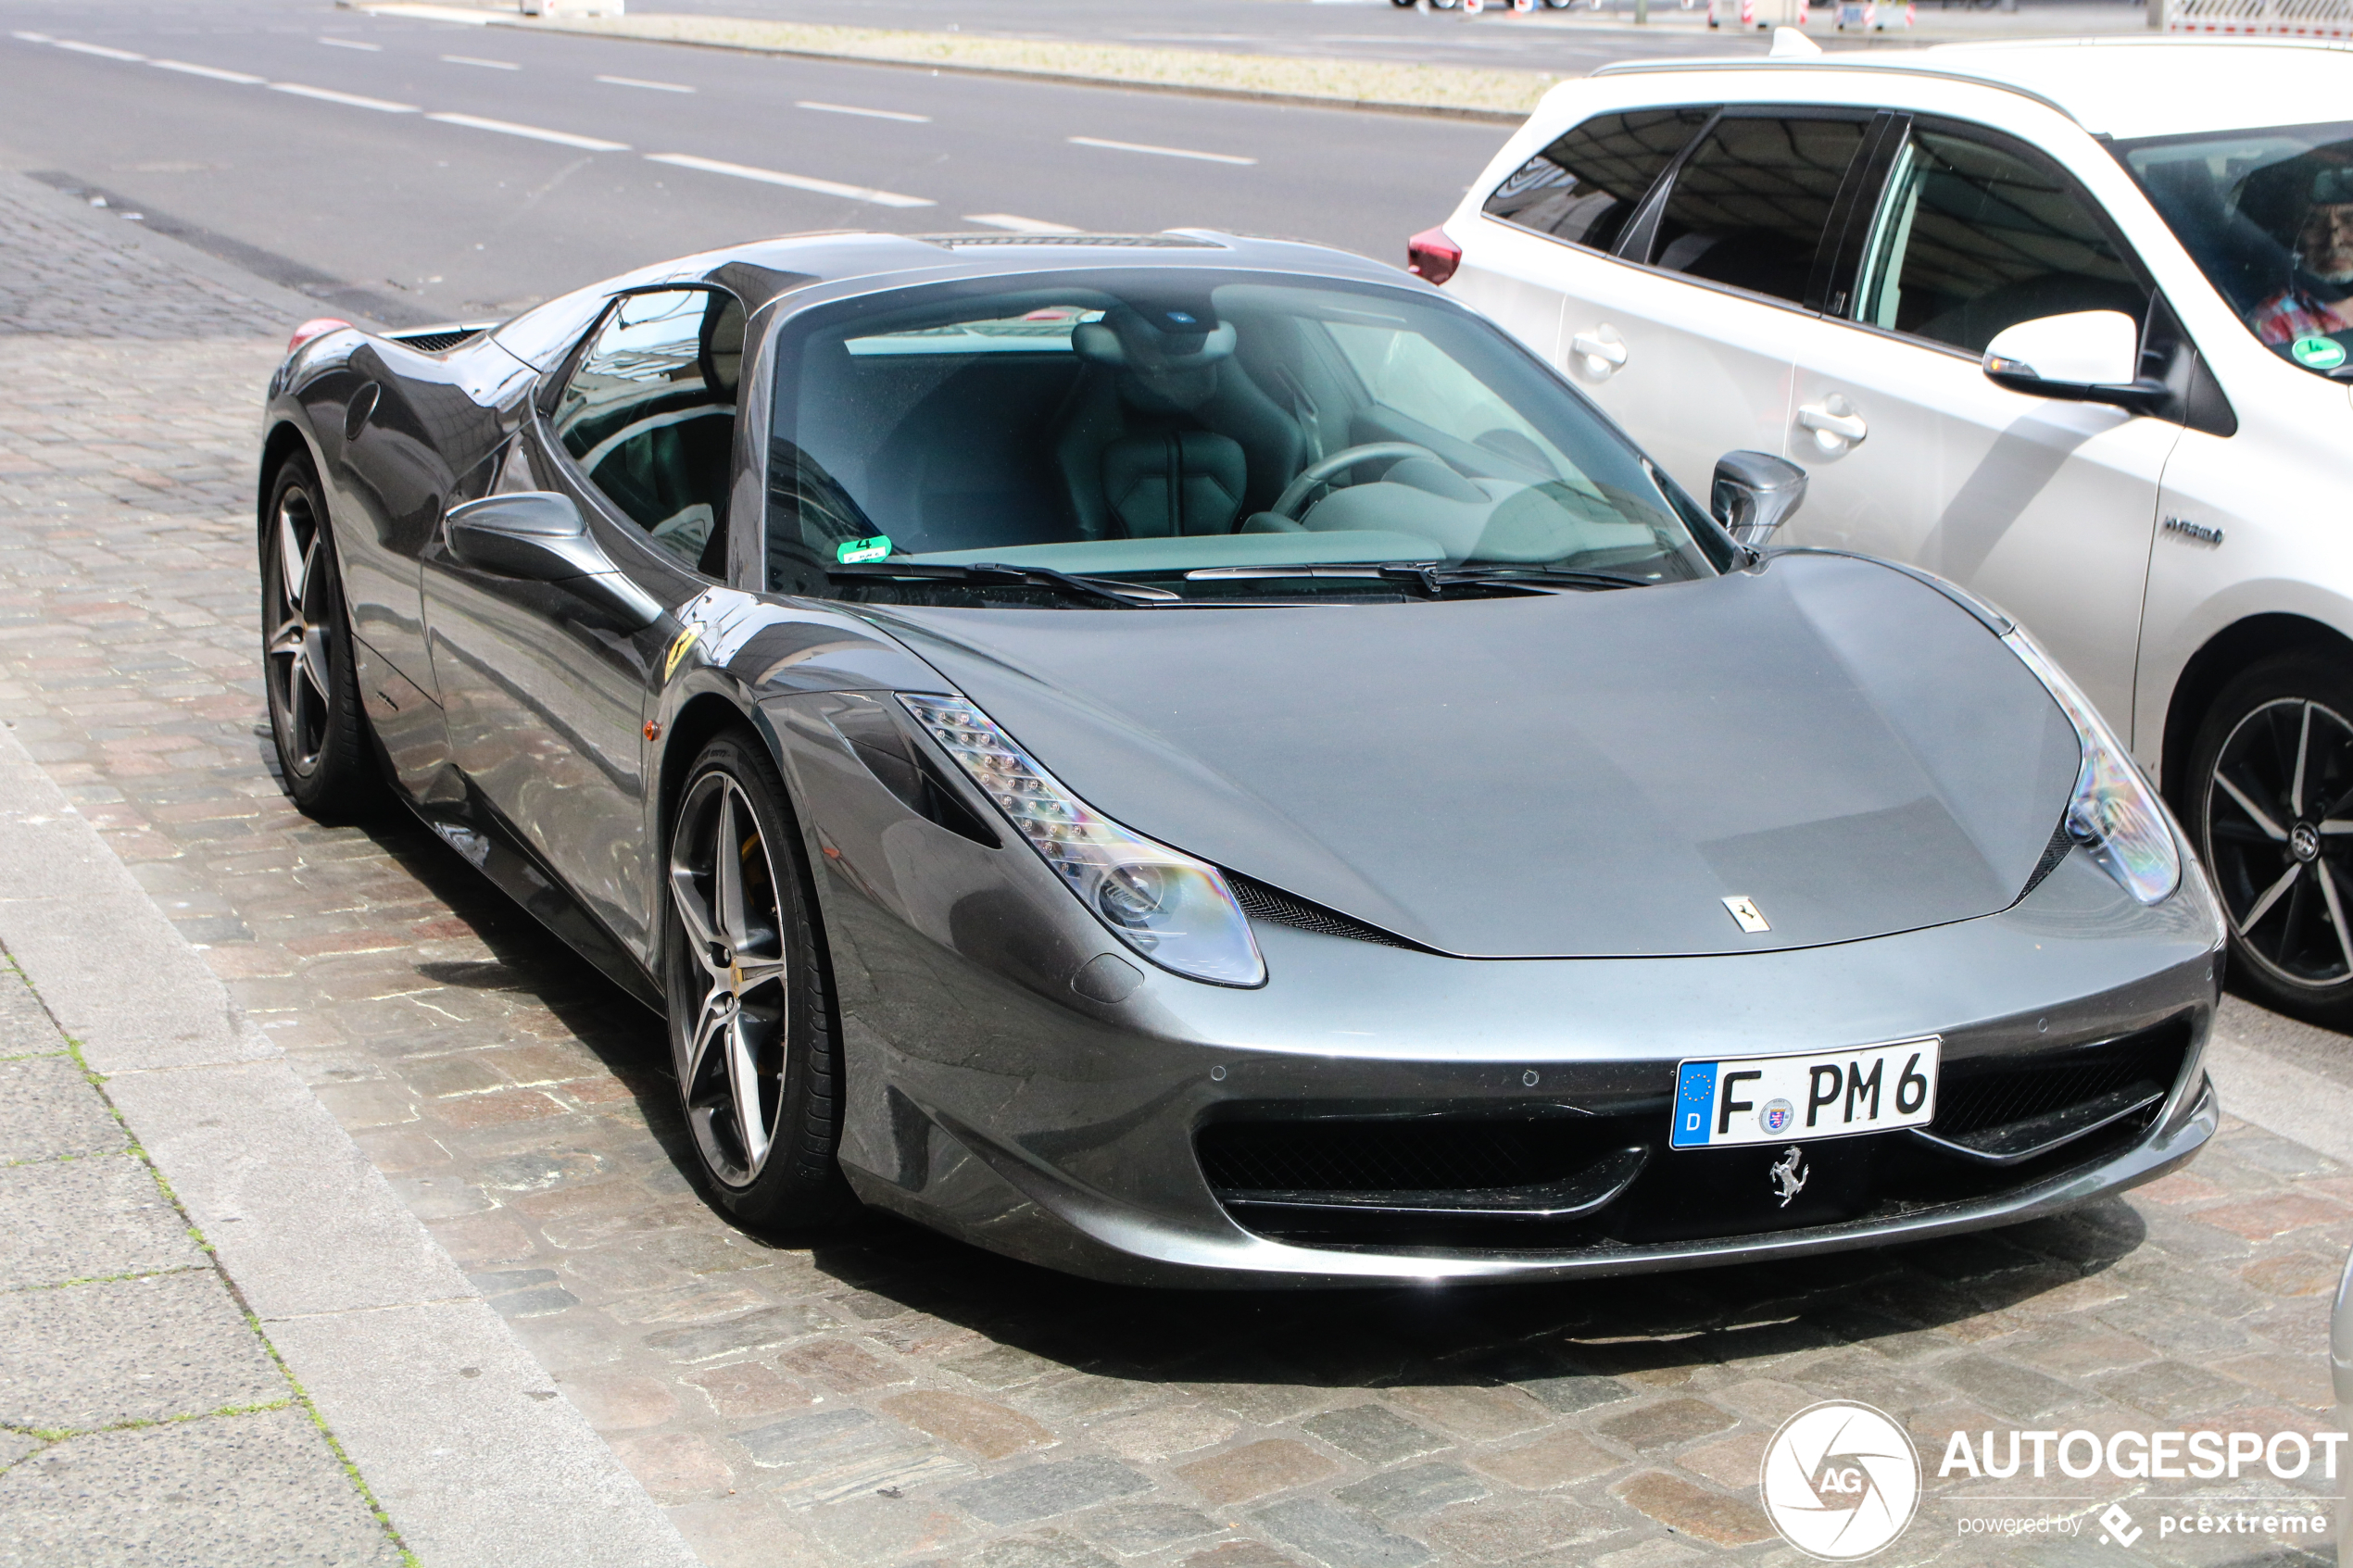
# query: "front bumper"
[[988, 1096]]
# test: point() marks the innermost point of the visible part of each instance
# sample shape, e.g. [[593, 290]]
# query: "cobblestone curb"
[[449, 1419]]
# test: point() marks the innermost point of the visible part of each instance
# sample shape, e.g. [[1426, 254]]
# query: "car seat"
[[1164, 434]]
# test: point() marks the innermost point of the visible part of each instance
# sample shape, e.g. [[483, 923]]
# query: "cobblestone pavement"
[[888, 1397], [141, 1418]]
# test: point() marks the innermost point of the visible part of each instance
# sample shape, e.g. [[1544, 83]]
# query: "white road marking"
[[1018, 225], [1157, 152], [796, 182], [434, 14], [352, 44], [327, 95], [213, 72], [486, 65], [99, 49], [640, 81], [32, 37], [508, 127], [869, 114]]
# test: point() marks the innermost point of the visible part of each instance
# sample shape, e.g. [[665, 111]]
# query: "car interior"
[[2237, 202], [1047, 419], [648, 413]]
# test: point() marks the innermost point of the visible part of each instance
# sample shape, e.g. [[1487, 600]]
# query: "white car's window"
[[1970, 238], [2268, 214], [1586, 185], [1749, 206], [649, 413]]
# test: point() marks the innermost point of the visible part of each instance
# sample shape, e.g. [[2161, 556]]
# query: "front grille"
[[1288, 1174], [1272, 903], [1996, 1092], [1432, 1155]]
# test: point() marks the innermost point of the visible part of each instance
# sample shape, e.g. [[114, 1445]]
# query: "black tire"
[[325, 758], [2270, 781], [751, 991]]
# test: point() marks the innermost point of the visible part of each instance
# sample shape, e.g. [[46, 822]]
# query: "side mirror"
[[539, 536], [1754, 493], [2088, 357]]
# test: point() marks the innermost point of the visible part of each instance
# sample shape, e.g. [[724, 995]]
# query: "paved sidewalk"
[[890, 1397], [144, 1417]]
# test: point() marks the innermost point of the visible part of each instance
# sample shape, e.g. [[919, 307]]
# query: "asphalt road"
[[302, 142]]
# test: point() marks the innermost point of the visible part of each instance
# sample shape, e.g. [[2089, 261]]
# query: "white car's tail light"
[[1431, 255], [1164, 904]]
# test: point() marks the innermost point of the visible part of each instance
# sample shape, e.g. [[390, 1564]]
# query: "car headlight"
[[2114, 813], [1174, 909]]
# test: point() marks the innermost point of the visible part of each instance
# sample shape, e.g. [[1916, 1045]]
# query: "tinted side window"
[[649, 414], [1970, 238], [1586, 185], [1749, 206]]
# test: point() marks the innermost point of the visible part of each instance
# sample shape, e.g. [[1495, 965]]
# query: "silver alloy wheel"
[[299, 649], [2278, 839], [725, 885]]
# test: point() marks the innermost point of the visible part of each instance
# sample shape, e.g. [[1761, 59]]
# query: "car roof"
[[2118, 86], [771, 267]]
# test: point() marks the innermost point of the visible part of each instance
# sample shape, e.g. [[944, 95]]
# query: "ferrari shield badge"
[[1752, 918]]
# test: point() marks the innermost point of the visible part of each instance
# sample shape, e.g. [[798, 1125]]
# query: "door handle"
[[1602, 349], [1835, 422]]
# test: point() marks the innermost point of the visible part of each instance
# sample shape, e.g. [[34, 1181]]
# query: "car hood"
[[1586, 774]]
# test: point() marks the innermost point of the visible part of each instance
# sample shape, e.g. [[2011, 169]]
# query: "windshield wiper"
[[1433, 579], [1128, 595]]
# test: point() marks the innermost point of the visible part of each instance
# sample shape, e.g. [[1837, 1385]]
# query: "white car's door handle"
[[1602, 349], [1835, 422]]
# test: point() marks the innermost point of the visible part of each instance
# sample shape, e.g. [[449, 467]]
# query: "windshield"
[[2269, 215], [1204, 433]]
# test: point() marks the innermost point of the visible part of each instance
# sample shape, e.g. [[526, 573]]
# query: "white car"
[[2066, 322]]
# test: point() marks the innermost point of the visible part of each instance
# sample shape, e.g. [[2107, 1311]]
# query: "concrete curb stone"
[[366, 1308]]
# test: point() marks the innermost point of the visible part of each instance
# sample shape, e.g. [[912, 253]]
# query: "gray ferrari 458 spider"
[[1200, 760]]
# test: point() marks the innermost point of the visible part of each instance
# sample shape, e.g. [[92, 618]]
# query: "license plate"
[[1815, 1095]]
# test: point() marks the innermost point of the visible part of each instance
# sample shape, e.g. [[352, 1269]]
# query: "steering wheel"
[[1319, 474]]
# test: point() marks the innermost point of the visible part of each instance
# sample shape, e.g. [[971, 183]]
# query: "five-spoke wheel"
[[314, 704], [752, 1030], [2273, 812]]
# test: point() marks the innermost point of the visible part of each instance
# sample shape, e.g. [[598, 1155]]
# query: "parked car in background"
[[2067, 322]]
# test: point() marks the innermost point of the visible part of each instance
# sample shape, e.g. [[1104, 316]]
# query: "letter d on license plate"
[[1818, 1095]]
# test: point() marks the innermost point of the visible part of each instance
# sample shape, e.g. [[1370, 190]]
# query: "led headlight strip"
[[1174, 909], [2114, 814]]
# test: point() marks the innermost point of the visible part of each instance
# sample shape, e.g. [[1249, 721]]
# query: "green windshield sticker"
[[2318, 353], [852, 551]]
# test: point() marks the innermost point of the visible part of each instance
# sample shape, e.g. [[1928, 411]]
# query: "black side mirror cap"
[[1754, 493], [2143, 397]]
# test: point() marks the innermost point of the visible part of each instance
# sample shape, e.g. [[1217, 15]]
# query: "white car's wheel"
[[2270, 805]]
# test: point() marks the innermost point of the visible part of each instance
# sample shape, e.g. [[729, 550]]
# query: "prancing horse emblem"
[[1789, 1174]]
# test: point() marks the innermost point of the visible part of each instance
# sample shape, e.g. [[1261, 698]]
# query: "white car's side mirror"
[[2088, 357]]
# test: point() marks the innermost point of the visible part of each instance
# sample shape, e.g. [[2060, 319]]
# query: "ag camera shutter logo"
[[1839, 1481]]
